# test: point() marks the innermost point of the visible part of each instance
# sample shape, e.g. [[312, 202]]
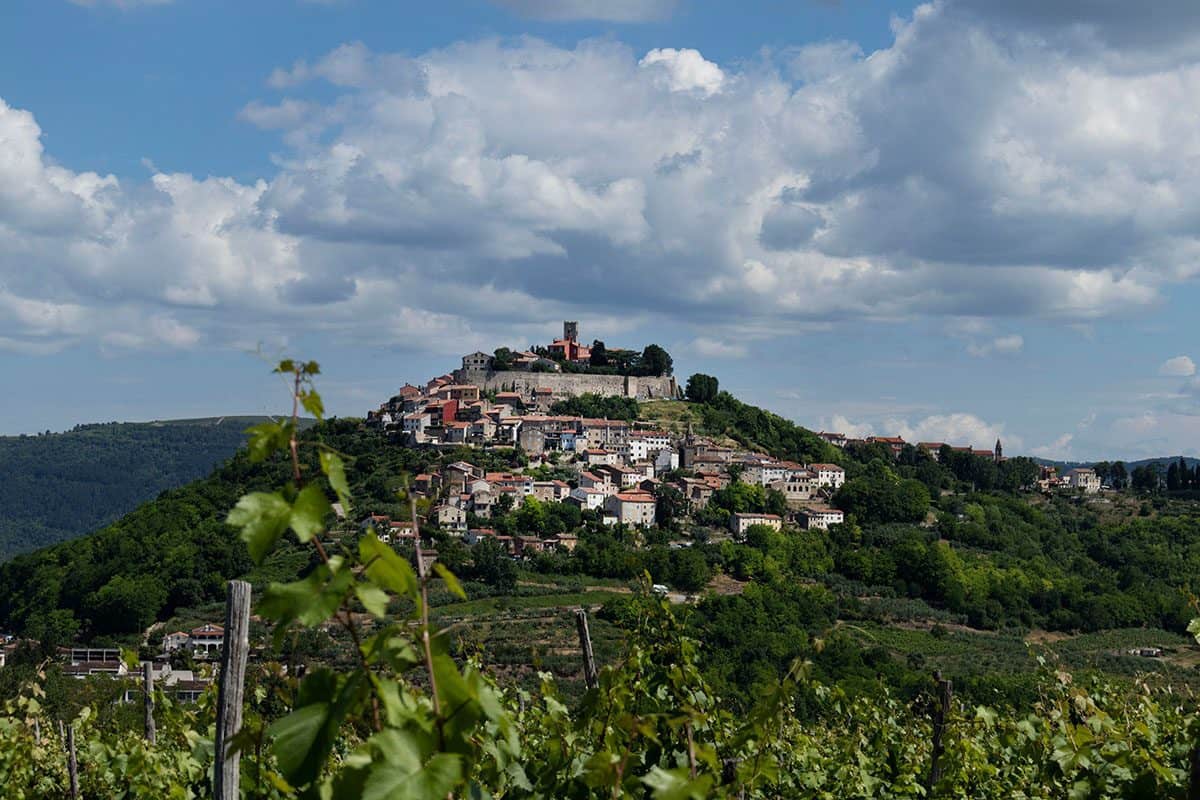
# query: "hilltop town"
[[619, 470]]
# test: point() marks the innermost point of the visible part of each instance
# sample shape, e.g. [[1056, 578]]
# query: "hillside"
[[57, 486], [926, 546]]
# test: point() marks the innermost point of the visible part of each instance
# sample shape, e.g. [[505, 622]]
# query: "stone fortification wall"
[[570, 384]]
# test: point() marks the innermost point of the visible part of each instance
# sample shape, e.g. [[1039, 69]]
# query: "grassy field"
[[493, 605], [515, 645], [962, 651], [673, 416]]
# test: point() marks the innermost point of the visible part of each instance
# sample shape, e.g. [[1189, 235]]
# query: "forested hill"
[[57, 486], [961, 541]]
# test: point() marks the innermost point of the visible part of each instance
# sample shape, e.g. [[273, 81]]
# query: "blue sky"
[[955, 221]]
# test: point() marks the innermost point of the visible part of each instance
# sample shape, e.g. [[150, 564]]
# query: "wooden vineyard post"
[[72, 763], [1193, 792], [234, 653], [940, 711], [148, 686], [590, 676]]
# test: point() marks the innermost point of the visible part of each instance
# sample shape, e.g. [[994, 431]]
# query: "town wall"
[[571, 384]]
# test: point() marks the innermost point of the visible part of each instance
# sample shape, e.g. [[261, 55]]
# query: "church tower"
[[571, 331]]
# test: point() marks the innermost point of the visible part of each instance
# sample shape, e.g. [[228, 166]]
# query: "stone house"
[[450, 518], [740, 523], [636, 509], [1084, 479], [587, 499], [830, 475], [820, 517]]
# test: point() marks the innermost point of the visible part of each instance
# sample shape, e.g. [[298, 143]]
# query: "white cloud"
[[603, 10], [685, 70], [959, 429], [1179, 366], [1002, 345], [980, 337], [1058, 450], [715, 348], [353, 65], [971, 170], [855, 430]]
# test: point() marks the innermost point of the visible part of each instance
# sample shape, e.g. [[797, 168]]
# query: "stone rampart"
[[571, 384]]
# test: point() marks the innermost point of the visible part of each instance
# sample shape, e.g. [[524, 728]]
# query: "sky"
[[956, 221]]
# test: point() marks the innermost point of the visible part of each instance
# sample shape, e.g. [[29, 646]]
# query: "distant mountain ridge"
[[1129, 465], [58, 486]]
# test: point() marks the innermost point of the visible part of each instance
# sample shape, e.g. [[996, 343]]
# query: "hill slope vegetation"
[[57, 486]]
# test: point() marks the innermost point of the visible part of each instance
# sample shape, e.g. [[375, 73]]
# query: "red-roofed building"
[[895, 443], [207, 639], [933, 448], [632, 508]]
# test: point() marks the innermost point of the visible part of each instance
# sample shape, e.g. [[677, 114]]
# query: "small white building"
[[820, 517], [416, 422], [797, 487], [207, 639], [593, 480], [450, 518], [830, 475], [177, 640], [588, 499], [645, 444], [594, 456], [1084, 479], [764, 473], [740, 523]]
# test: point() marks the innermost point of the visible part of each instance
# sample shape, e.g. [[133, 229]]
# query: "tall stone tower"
[[571, 331]]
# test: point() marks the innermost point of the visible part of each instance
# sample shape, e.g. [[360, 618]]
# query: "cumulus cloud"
[[1058, 450], [979, 167], [1179, 366], [354, 66], [959, 429], [603, 10], [1002, 345], [706, 347], [981, 337], [684, 70], [855, 430]]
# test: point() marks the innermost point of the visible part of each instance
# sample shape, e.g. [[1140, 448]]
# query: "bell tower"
[[571, 331]]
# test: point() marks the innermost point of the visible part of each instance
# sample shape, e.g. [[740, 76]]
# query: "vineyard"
[[422, 705], [651, 728]]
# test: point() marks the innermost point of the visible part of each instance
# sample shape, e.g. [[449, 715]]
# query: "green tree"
[[531, 517], [1120, 475], [690, 570], [597, 406], [127, 605], [670, 506], [656, 360], [702, 388], [599, 356], [880, 495], [491, 565]]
